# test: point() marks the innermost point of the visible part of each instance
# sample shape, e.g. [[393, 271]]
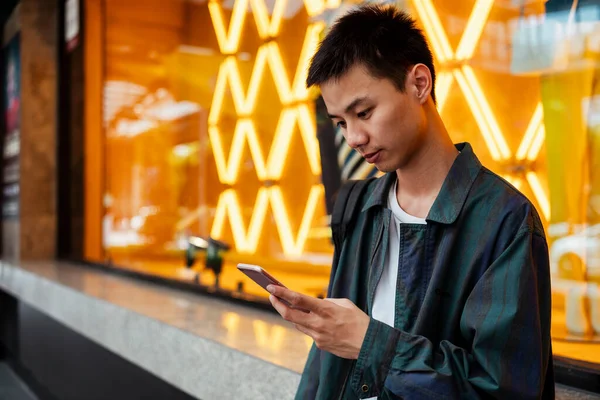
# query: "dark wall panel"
[[58, 363]]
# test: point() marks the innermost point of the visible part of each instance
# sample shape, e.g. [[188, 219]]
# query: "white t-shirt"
[[384, 302]]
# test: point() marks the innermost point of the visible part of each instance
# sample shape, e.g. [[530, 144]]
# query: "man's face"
[[384, 125]]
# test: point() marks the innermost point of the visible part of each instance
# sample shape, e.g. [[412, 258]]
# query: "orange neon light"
[[295, 113], [244, 133], [469, 85], [229, 208], [229, 40], [272, 168], [539, 194], [534, 136], [267, 54], [246, 241], [433, 28], [442, 88], [483, 115], [472, 33]]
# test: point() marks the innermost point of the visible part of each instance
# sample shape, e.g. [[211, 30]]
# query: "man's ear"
[[420, 82]]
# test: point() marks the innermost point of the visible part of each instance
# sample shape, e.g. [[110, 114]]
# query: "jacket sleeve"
[[507, 320], [309, 382]]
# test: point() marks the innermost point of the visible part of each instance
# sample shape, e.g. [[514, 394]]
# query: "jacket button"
[[365, 388]]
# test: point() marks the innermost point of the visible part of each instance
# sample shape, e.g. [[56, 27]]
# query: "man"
[[441, 289]]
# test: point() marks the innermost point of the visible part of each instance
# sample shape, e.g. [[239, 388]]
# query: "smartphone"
[[259, 275], [263, 279]]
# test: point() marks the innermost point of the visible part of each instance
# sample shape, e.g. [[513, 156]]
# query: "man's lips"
[[371, 157]]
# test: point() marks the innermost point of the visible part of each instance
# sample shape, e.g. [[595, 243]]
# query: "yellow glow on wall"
[[290, 246], [472, 33], [291, 94], [529, 149], [516, 182], [471, 88], [272, 168], [311, 42], [433, 27], [229, 207], [246, 241], [536, 146], [482, 112], [229, 41], [265, 27], [539, 193], [229, 73], [283, 136], [244, 132], [316, 7], [464, 75], [442, 88], [267, 54], [534, 136], [438, 38]]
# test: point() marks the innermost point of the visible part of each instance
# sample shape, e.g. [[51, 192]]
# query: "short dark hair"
[[383, 39]]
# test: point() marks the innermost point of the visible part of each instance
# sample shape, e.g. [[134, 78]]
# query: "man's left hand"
[[336, 325]]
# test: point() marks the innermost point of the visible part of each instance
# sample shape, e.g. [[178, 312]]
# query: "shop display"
[[209, 133]]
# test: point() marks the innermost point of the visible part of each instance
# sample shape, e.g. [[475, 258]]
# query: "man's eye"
[[341, 124], [364, 114]]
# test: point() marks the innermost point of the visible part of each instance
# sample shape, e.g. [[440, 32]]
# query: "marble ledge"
[[208, 348]]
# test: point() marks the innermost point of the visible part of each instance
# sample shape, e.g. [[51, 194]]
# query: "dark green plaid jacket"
[[473, 299]]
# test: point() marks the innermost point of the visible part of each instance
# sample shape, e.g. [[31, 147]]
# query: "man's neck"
[[420, 182]]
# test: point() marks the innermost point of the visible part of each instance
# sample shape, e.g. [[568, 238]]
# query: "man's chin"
[[384, 168], [385, 165]]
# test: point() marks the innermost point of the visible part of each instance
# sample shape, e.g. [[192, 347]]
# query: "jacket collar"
[[452, 196]]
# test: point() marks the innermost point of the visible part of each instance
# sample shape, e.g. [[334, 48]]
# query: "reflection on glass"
[[530, 113], [210, 132], [560, 46]]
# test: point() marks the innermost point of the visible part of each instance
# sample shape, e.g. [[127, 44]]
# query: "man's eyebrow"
[[356, 102]]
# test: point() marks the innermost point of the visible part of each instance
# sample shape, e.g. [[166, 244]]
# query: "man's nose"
[[356, 137]]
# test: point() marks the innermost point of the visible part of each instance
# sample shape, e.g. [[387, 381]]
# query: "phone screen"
[[259, 275], [264, 279]]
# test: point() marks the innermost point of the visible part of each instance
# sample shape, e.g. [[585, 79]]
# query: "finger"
[[290, 314], [295, 299], [306, 331], [342, 302]]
